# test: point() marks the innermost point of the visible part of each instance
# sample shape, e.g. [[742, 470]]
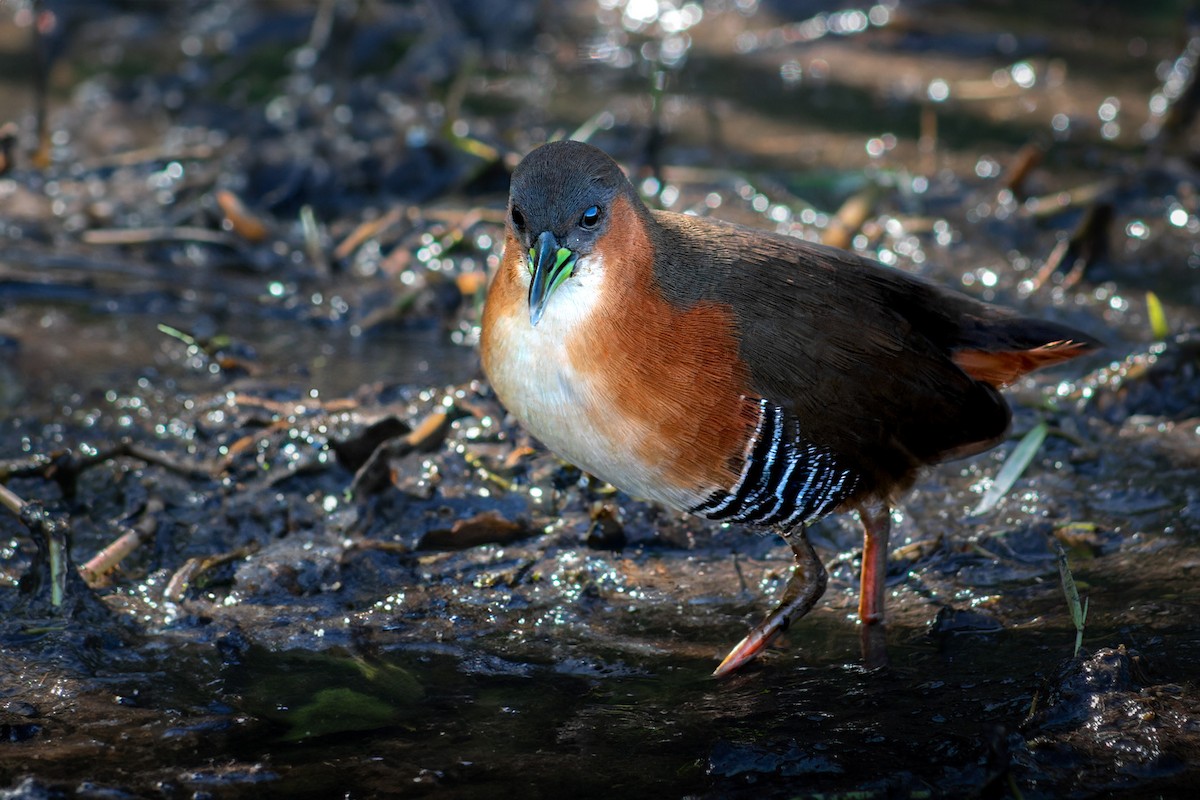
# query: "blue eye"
[[590, 218]]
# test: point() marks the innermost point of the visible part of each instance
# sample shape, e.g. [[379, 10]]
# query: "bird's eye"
[[590, 218], [518, 219]]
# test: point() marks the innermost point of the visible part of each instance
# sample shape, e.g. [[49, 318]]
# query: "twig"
[[1059, 202], [51, 534], [1180, 91], [11, 501], [312, 240], [850, 217], [284, 408], [1086, 245], [64, 467], [426, 436], [366, 231], [199, 471], [477, 463], [241, 220], [96, 571], [183, 233], [193, 568], [927, 141], [1027, 158], [147, 155], [322, 26]]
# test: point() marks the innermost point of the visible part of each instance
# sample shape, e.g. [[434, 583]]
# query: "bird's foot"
[[804, 589], [873, 641]]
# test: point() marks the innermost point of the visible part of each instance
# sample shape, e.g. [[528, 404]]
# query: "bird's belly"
[[571, 412]]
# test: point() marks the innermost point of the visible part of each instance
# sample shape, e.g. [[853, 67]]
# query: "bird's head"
[[559, 208]]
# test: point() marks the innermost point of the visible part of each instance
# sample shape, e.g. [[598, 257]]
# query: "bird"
[[738, 374]]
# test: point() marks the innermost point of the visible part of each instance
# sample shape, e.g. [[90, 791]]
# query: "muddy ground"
[[242, 258]]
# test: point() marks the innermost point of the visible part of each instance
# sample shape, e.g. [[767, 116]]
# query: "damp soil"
[[241, 271]]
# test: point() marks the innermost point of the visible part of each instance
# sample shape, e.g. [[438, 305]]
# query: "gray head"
[[558, 210]]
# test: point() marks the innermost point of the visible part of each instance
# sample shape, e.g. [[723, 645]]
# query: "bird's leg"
[[803, 590], [877, 525]]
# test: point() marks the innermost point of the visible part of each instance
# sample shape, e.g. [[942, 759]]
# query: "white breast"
[[562, 405]]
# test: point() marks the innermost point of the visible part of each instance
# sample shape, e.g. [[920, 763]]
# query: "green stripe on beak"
[[549, 266]]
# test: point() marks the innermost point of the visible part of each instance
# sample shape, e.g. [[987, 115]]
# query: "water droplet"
[[1023, 74], [879, 15], [1137, 229]]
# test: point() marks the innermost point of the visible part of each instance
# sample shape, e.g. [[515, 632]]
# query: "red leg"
[[877, 524], [804, 589]]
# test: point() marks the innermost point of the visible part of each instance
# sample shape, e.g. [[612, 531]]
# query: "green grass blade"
[[1071, 591], [175, 333], [1158, 317], [1017, 461]]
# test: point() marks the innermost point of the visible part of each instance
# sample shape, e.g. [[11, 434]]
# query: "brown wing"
[[883, 368]]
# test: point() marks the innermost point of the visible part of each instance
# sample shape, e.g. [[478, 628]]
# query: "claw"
[[748, 648], [804, 589]]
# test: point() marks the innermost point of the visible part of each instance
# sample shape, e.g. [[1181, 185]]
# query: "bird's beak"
[[549, 265]]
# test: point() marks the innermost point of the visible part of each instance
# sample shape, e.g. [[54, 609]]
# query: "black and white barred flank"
[[784, 481]]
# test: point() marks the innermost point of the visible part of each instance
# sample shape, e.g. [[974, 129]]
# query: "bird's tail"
[[999, 352]]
